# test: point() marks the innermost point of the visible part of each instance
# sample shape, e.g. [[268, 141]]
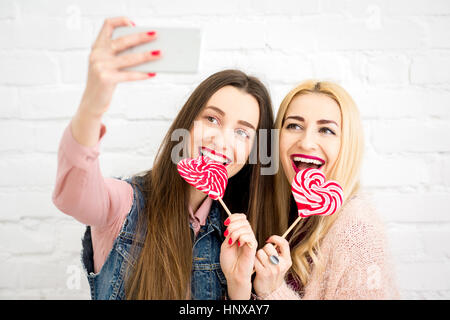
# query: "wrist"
[[86, 128], [264, 291], [85, 112], [239, 290]]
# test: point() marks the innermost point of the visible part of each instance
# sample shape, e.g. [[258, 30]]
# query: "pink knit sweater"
[[357, 264]]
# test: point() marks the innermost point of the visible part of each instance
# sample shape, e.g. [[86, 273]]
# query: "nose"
[[307, 141], [220, 141]]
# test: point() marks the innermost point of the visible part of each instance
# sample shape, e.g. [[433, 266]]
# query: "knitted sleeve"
[[359, 265], [355, 262], [284, 292]]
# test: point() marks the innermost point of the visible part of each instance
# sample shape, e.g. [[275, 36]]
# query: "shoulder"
[[134, 179], [137, 185], [359, 211], [137, 182], [358, 228]]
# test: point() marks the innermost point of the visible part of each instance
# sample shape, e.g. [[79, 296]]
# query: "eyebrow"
[[216, 109], [247, 124], [242, 122], [321, 121]]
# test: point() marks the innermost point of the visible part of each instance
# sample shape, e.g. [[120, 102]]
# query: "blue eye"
[[242, 133]]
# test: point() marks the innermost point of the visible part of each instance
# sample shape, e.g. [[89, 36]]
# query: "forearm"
[[86, 127]]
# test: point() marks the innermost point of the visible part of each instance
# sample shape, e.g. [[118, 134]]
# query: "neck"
[[196, 197]]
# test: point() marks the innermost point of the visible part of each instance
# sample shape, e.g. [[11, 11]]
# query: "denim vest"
[[207, 279]]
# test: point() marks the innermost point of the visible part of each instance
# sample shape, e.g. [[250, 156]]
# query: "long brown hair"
[[163, 268]]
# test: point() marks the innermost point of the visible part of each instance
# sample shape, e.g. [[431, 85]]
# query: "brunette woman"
[[153, 236]]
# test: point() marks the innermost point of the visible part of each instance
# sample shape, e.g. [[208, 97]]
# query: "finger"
[[259, 267], [270, 250], [125, 76], [131, 40], [132, 59], [261, 255], [108, 27], [237, 224], [234, 217], [235, 236], [110, 24], [282, 245], [236, 233], [247, 239]]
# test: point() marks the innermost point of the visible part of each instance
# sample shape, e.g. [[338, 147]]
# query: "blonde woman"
[[342, 256]]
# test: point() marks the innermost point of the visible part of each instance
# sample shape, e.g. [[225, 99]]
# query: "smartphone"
[[180, 49]]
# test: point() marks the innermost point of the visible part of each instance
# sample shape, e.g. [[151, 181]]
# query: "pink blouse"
[[82, 192]]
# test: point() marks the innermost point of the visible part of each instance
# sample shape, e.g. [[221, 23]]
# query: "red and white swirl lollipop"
[[206, 175], [314, 195]]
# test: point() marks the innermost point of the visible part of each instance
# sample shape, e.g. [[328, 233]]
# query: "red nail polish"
[[239, 244], [230, 241], [225, 233], [151, 74], [227, 222], [156, 53], [151, 33]]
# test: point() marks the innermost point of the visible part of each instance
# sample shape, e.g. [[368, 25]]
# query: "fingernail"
[[239, 244], [156, 53], [134, 25], [225, 233], [151, 74], [227, 222], [151, 33], [230, 241]]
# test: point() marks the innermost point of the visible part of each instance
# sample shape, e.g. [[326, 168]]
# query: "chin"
[[232, 171]]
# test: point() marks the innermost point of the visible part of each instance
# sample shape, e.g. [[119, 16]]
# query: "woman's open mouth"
[[214, 155], [303, 161]]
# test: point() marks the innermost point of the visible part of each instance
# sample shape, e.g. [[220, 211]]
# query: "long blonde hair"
[[307, 235]]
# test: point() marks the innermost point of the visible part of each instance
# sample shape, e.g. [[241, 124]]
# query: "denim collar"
[[216, 219]]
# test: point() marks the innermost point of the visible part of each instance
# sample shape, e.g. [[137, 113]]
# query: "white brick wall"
[[392, 56]]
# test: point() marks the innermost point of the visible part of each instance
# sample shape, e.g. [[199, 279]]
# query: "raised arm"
[[80, 190]]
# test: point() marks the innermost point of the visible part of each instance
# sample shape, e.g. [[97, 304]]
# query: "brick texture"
[[392, 56]]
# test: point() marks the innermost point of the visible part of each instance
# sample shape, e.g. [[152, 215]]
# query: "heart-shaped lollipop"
[[314, 195], [208, 176]]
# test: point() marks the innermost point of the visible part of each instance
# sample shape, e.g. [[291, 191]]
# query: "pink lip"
[[225, 158], [307, 157]]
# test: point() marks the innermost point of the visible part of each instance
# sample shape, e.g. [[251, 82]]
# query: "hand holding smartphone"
[[179, 47], [122, 53]]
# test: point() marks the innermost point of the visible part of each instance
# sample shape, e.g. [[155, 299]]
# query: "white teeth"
[[213, 156], [305, 160]]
